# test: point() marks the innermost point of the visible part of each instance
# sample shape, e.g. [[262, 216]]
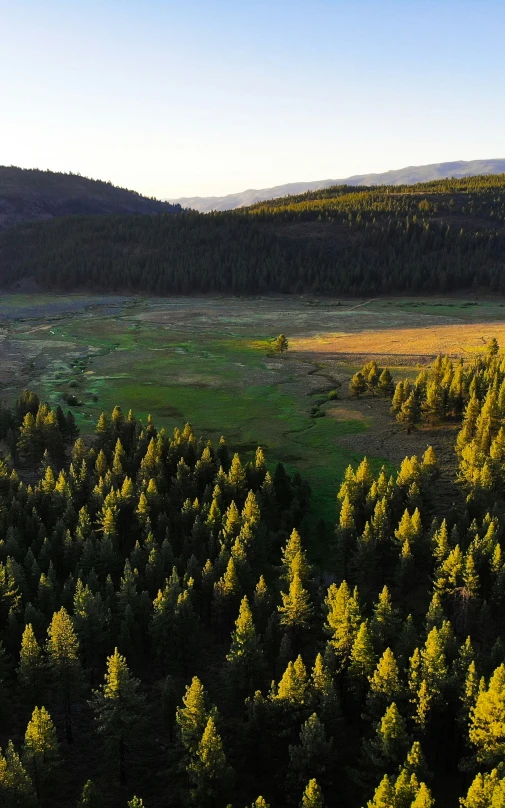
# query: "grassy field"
[[207, 361], [422, 343]]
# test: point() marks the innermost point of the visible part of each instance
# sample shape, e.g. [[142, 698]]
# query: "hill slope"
[[31, 195], [402, 176], [432, 237]]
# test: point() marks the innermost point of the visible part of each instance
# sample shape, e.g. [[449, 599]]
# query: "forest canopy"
[[158, 604]]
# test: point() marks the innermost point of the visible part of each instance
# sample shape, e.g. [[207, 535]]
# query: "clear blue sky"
[[185, 98]]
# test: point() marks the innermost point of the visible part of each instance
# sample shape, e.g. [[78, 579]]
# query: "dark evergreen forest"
[[165, 640], [436, 237]]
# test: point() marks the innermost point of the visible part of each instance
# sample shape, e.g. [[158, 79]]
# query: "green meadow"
[[209, 362]]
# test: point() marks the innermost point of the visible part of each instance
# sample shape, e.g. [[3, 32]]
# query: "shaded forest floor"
[[209, 361]]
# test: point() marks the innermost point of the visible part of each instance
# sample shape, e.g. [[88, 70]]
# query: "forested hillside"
[[30, 194], [436, 237], [166, 641], [402, 176]]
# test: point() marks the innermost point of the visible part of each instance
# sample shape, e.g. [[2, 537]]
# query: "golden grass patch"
[[462, 339], [346, 414]]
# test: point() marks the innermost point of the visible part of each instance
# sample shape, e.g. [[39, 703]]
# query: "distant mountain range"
[[31, 195], [401, 176]]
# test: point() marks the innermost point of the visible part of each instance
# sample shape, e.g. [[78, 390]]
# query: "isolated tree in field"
[[40, 748], [62, 650], [117, 705], [280, 344]]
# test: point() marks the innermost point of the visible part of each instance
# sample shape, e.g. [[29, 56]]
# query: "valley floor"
[[209, 361]]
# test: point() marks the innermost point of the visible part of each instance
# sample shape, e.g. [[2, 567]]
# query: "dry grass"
[[409, 344]]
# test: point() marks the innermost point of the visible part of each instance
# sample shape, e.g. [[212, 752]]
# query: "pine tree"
[[384, 796], [62, 650], [41, 749], [345, 533], [357, 385], [423, 798], [245, 659], [415, 762], [312, 756], [193, 716], [385, 685], [487, 721], [226, 594], [294, 550], [237, 478], [293, 685], [296, 610], [481, 791], [312, 796], [399, 396], [325, 698], [117, 705], [208, 770], [386, 384], [384, 622], [90, 797], [16, 787], [406, 787], [409, 413], [343, 620], [280, 344], [434, 404], [362, 659], [31, 665], [391, 743], [91, 620]]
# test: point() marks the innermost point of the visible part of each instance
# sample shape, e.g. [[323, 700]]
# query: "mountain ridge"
[[401, 176], [29, 194]]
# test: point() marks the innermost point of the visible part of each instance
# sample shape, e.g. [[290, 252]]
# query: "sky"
[[206, 98]]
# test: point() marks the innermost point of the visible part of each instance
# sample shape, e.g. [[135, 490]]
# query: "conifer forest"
[[166, 639], [440, 236], [252, 404]]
